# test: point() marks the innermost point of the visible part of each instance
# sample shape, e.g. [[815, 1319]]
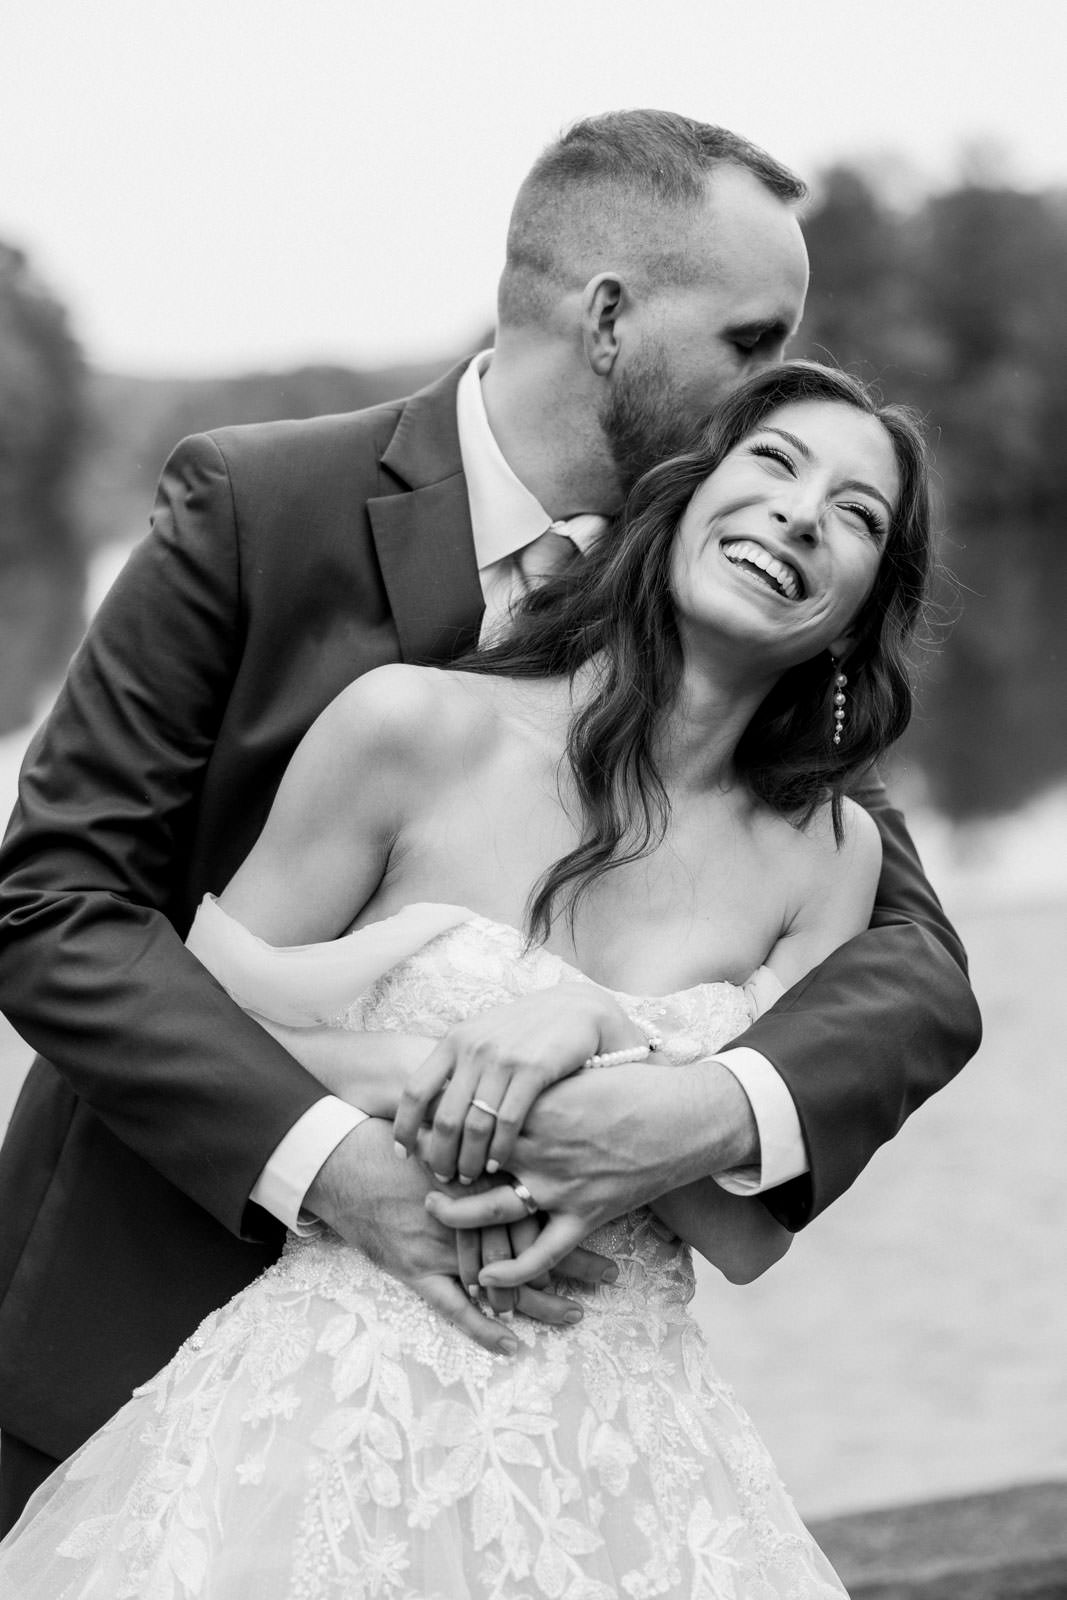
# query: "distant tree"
[[957, 306], [42, 562], [138, 421], [996, 265]]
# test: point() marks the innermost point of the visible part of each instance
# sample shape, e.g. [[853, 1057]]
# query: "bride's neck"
[[701, 731], [695, 745]]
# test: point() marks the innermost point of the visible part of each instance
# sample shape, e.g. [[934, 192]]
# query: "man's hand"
[[601, 1143], [378, 1204]]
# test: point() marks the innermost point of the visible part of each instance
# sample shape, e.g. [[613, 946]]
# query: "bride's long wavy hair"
[[617, 609]]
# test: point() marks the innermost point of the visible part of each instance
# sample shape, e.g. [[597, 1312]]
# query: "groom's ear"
[[603, 301]]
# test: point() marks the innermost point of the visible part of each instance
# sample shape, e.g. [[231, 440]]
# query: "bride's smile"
[[781, 543]]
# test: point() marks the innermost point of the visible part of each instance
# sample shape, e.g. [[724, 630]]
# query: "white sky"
[[215, 185]]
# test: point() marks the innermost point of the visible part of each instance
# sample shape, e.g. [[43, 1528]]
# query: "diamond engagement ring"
[[521, 1191], [490, 1111]]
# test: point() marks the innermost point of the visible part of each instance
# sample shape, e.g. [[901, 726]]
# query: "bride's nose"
[[798, 520]]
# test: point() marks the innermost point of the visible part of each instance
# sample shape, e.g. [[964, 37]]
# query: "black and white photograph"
[[533, 778]]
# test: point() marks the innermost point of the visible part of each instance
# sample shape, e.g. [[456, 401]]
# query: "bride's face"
[[780, 546]]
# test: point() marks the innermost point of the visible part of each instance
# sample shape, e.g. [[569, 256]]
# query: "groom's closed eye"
[[763, 337]]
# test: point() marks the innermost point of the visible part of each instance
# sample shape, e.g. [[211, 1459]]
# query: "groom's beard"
[[644, 421]]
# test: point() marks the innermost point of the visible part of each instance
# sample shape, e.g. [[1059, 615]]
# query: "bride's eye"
[[874, 524], [774, 454]]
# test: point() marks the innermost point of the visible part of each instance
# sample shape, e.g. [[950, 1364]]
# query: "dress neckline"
[[286, 983], [762, 986]]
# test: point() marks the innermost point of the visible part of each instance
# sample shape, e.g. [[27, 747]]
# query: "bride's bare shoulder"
[[415, 714]]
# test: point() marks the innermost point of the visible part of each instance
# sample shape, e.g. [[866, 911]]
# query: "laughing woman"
[[642, 788]]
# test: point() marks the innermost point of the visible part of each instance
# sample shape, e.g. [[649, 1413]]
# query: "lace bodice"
[[479, 963]]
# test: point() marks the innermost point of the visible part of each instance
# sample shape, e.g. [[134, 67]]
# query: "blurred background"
[[217, 211]]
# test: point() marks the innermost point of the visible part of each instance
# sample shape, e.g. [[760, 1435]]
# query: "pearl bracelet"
[[620, 1058]]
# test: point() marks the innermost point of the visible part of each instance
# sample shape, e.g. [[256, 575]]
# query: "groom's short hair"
[[611, 192]]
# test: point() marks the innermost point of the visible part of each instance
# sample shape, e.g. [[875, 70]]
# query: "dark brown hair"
[[619, 608]]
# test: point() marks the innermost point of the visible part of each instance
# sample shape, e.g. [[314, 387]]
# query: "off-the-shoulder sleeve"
[[306, 984]]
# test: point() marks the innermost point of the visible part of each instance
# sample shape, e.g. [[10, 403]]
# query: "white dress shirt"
[[505, 517]]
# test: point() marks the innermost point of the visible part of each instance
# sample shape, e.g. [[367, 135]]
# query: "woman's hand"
[[483, 1247], [486, 1073]]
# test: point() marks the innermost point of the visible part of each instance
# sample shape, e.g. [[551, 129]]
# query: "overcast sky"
[[214, 185]]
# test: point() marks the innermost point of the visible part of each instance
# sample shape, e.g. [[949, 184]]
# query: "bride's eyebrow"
[[790, 438], [852, 483]]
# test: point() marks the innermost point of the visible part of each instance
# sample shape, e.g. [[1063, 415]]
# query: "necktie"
[[558, 546]]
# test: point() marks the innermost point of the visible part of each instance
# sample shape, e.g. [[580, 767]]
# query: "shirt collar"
[[505, 516]]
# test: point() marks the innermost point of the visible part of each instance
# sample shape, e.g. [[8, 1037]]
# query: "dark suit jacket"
[[284, 560]]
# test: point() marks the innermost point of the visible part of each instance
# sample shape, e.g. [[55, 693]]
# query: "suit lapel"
[[422, 530]]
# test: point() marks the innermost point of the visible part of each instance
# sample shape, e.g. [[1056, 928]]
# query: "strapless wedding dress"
[[326, 1434]]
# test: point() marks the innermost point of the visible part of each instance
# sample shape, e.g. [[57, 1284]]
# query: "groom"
[[161, 1137]]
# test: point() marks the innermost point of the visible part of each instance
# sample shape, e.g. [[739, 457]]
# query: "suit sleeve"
[[870, 1034], [92, 973]]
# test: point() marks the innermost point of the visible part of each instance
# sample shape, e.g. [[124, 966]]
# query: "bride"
[[640, 788]]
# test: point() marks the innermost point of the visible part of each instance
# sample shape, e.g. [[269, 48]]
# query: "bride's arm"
[[737, 1233], [339, 808], [321, 855], [367, 1069], [733, 1232]]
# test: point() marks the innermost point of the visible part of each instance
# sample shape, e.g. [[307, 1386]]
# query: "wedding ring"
[[521, 1191], [490, 1111]]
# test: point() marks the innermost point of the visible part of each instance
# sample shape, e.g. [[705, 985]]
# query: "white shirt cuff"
[[782, 1152], [291, 1170]]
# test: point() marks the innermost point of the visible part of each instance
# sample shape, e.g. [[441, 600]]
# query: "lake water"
[[914, 1340]]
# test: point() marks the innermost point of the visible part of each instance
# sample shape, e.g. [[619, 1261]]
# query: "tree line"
[[954, 305]]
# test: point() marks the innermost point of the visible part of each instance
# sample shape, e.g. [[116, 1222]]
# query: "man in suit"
[[162, 1138]]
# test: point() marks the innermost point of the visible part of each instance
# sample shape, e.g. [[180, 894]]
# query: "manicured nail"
[[492, 1166], [466, 1182], [472, 1290], [441, 1177], [400, 1150], [506, 1316], [611, 1274], [572, 1316], [508, 1347]]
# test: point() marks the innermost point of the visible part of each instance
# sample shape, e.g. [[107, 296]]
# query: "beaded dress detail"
[[327, 1436]]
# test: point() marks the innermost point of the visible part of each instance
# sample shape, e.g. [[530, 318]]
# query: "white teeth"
[[782, 576]]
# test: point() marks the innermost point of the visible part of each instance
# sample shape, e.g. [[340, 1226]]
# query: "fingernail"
[[441, 1177], [492, 1166], [572, 1316], [431, 1202], [508, 1347], [611, 1274], [506, 1316], [472, 1290], [400, 1150], [464, 1181]]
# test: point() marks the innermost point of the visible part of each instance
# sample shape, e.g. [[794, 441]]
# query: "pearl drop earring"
[[840, 681]]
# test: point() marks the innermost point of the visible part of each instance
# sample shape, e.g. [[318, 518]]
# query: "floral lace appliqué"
[[327, 1435]]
